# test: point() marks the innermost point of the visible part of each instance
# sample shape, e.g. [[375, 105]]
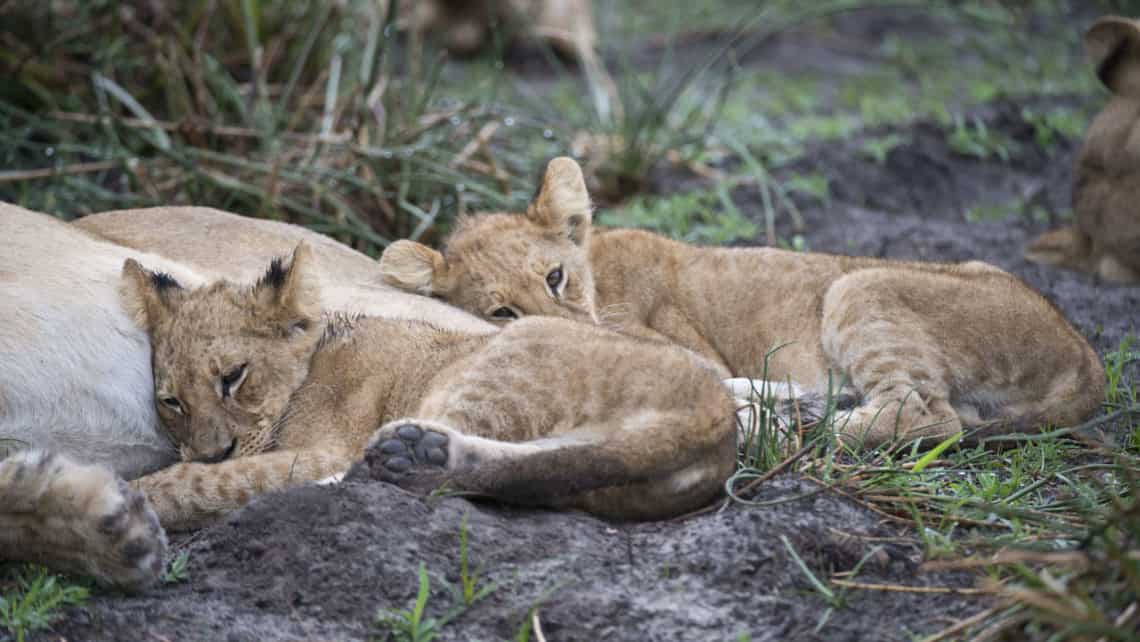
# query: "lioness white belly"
[[75, 372]]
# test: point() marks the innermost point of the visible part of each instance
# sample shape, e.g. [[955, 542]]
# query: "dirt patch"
[[318, 562]]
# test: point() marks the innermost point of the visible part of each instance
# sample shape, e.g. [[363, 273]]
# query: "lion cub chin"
[[929, 349], [261, 391], [1105, 239]]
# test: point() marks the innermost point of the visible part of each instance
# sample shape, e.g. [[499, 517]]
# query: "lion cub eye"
[[555, 278], [172, 403], [504, 313], [232, 380]]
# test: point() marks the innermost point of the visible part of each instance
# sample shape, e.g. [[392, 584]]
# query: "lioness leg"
[[189, 495], [653, 465], [78, 518]]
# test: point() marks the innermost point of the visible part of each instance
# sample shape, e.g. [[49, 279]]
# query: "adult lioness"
[[1105, 238], [75, 370], [263, 391], [931, 348]]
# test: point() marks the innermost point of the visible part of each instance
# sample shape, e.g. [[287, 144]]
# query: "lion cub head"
[[227, 357], [505, 266]]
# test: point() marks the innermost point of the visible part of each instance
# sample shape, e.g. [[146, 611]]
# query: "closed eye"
[[172, 403], [503, 313]]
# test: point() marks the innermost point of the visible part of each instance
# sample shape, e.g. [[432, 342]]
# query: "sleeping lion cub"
[[262, 391], [930, 348]]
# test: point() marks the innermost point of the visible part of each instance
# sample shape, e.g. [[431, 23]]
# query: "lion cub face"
[[227, 357], [502, 266]]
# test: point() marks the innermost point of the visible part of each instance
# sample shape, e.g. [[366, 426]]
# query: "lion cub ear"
[[289, 291], [562, 202], [414, 267], [1113, 45], [148, 296]]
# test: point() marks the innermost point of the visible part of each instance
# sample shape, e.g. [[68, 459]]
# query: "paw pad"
[[409, 446]]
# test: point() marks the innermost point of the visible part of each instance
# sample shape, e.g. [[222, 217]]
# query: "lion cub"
[[931, 348], [261, 391], [1105, 240]]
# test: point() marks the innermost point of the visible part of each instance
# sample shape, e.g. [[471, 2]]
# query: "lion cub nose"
[[218, 455]]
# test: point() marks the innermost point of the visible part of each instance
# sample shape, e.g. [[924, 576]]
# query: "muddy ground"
[[319, 562]]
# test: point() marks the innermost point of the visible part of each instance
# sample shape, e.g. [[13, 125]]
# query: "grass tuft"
[[32, 598]]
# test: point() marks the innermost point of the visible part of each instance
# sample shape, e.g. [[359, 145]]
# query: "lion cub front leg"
[[78, 518], [190, 495]]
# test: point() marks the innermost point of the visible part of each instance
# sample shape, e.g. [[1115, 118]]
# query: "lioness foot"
[[134, 541], [80, 518], [409, 455]]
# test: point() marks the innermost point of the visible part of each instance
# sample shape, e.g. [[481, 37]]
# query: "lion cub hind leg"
[[874, 334], [937, 350], [642, 470], [78, 518]]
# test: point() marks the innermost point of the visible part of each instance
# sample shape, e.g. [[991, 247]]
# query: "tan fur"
[[465, 27], [78, 518], [1105, 240], [935, 347], [514, 420], [76, 368], [217, 244]]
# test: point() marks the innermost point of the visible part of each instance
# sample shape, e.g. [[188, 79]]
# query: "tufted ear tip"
[[147, 295]]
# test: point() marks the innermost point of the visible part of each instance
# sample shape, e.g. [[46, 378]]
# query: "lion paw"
[[79, 518], [409, 455], [130, 543]]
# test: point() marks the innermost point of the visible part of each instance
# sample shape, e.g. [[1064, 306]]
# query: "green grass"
[[32, 598], [971, 137], [1052, 523], [414, 624], [176, 572], [696, 217]]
